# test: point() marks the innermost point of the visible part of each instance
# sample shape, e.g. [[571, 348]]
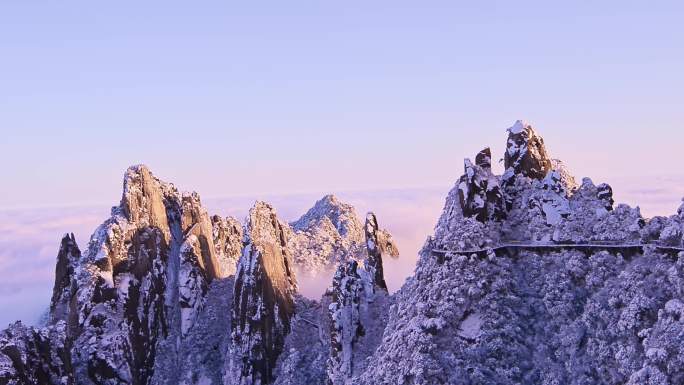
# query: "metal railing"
[[531, 245]]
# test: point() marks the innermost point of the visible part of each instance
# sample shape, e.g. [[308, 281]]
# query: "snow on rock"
[[192, 283], [263, 307], [525, 152], [358, 314], [329, 233], [227, 234], [377, 244], [138, 288], [479, 191], [65, 284], [165, 294], [30, 356]]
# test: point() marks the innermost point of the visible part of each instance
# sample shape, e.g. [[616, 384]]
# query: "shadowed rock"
[[484, 159], [525, 152], [479, 191], [65, 284], [605, 194], [31, 356]]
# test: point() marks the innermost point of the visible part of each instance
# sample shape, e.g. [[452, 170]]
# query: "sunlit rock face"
[[525, 152], [265, 286], [227, 234]]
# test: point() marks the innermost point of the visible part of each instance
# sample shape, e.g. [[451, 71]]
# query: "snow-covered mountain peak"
[[342, 215]]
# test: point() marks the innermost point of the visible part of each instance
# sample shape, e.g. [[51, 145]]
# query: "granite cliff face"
[[264, 304]]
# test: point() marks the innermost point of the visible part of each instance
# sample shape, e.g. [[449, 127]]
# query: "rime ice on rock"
[[193, 283], [327, 234], [264, 299], [347, 328], [358, 309], [31, 355], [479, 191], [227, 234]]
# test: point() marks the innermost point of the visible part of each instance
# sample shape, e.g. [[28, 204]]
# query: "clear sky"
[[289, 96]]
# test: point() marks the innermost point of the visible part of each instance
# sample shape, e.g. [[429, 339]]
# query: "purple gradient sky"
[[292, 97], [286, 101]]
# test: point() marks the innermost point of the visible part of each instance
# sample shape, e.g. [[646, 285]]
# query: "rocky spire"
[[483, 159], [65, 284], [378, 242], [142, 200], [196, 221], [263, 300], [346, 327], [479, 191], [358, 307], [525, 152]]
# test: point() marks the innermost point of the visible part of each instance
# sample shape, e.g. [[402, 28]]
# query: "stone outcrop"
[[346, 325], [30, 356], [358, 308], [376, 245], [479, 191], [265, 286], [65, 284], [227, 234], [193, 282], [525, 152]]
